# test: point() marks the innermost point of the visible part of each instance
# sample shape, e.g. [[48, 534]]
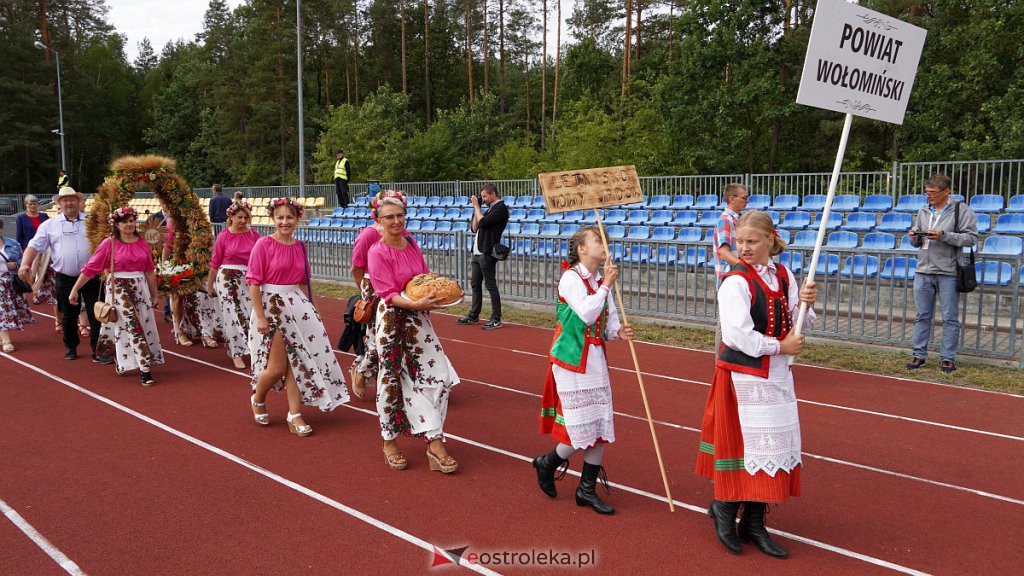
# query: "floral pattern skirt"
[[235, 307], [132, 340], [47, 293], [366, 363], [14, 311], [306, 343], [201, 317], [414, 377]]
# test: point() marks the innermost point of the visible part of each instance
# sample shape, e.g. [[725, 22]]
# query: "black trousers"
[[341, 189], [483, 273], [88, 295]]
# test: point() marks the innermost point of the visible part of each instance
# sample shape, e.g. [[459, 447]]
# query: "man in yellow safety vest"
[[62, 180], [342, 174]]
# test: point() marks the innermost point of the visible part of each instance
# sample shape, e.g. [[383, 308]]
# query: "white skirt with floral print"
[[235, 307], [132, 340]]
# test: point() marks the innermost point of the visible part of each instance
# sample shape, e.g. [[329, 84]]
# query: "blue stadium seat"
[[570, 229], [804, 239], [792, 260], [690, 235], [695, 256], [877, 203], [461, 226], [590, 217], [878, 241], [828, 264], [784, 234], [708, 219], [547, 248], [813, 203], [444, 226], [412, 213], [465, 213], [775, 215], [905, 245], [347, 223], [522, 246], [658, 202], [614, 216], [550, 230], [639, 233], [835, 220], [660, 217], [666, 255], [984, 223], [895, 222], [785, 202], [685, 218], [463, 202], [535, 215], [638, 254], [531, 229], [428, 226], [1006, 245], [572, 217], [956, 197], [859, 222], [437, 214], [709, 237], [615, 231], [681, 202], [899, 268], [910, 203], [796, 221], [841, 240], [340, 212], [537, 201], [552, 218], [618, 251], [513, 228], [447, 201], [636, 217], [759, 202], [706, 202], [433, 201], [314, 222], [860, 266], [1009, 224], [992, 273], [986, 203], [663, 233], [846, 203], [416, 201], [1016, 204], [453, 214]]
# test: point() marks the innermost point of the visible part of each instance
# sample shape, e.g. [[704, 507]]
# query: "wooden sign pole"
[[636, 366]]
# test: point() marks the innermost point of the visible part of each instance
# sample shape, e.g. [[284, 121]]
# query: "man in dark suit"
[[219, 205], [488, 229]]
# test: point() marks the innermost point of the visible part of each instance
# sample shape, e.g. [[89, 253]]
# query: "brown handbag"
[[101, 310], [364, 309]]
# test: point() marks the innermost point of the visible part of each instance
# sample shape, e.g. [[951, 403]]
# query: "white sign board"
[[860, 62]]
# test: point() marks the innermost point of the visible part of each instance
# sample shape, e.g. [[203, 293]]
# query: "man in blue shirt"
[[219, 206]]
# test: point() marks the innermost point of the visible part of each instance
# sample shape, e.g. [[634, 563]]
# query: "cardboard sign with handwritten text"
[[591, 188]]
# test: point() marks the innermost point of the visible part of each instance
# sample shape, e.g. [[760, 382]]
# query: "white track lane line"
[[802, 401], [63, 561], [886, 376], [380, 525], [703, 511]]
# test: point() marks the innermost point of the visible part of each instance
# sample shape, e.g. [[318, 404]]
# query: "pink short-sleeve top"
[[272, 262], [128, 257], [367, 238], [233, 248], [390, 269]]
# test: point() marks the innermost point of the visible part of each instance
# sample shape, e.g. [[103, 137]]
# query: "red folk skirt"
[[720, 454]]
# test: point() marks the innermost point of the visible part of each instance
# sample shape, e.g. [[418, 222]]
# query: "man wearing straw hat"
[[65, 237]]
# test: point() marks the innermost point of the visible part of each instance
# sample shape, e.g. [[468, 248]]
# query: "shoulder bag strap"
[[309, 283]]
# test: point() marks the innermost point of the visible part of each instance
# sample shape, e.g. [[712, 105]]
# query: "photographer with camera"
[[487, 229]]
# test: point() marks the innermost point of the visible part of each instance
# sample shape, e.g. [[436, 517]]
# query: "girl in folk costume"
[[228, 266], [132, 339], [576, 409], [750, 435], [287, 339]]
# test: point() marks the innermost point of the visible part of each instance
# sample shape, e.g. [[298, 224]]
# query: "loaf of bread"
[[421, 286]]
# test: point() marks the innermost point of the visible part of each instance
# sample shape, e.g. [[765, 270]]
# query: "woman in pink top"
[[287, 338], [227, 268], [414, 377], [364, 366], [195, 314], [132, 339]]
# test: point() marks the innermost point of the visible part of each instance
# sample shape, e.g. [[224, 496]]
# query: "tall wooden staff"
[[594, 188]]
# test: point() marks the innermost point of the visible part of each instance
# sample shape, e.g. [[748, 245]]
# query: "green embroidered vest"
[[573, 337]]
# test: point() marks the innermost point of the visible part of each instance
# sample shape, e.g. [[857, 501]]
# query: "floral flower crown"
[[284, 202], [120, 214], [240, 205], [385, 194]]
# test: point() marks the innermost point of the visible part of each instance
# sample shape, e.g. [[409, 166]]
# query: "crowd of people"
[[257, 300]]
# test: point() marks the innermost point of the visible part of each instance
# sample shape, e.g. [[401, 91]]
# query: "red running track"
[[118, 493]]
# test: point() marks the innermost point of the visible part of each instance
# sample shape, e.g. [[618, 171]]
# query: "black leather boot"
[[724, 515], [547, 465], [586, 494], [752, 529]]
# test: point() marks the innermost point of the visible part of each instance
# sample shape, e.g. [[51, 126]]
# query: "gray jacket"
[[940, 256]]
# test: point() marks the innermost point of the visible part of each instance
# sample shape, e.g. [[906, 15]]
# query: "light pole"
[[60, 105], [302, 136]]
